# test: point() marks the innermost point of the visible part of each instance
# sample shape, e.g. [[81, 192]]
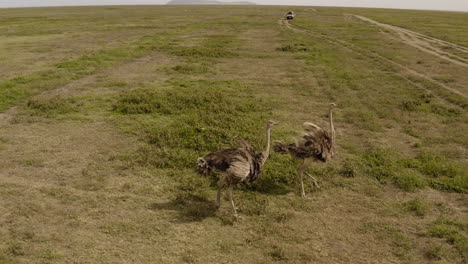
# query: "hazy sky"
[[455, 5]]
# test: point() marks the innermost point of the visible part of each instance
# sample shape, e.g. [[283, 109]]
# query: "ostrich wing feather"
[[241, 165], [314, 142], [311, 128], [238, 141]]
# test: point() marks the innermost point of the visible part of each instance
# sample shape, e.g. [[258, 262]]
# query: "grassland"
[[104, 111]]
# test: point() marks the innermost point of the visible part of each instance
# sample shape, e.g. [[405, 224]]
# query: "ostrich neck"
[[332, 129], [266, 152]]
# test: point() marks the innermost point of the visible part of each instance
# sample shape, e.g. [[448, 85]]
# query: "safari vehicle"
[[290, 15]]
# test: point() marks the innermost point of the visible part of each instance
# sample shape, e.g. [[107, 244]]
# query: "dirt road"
[[424, 43], [368, 53]]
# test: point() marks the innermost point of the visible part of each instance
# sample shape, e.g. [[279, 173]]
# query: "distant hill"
[[206, 2]]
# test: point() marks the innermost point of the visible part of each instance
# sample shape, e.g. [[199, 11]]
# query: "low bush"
[[453, 231], [409, 180], [52, 107], [419, 207]]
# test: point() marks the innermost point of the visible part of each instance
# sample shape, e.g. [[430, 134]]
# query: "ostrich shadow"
[[190, 209]]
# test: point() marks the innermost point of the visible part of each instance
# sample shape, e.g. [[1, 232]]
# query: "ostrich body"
[[243, 164], [315, 144]]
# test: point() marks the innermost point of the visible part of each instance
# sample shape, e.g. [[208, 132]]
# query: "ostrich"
[[315, 144], [243, 164]]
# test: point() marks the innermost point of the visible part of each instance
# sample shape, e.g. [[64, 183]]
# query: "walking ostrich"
[[243, 164], [315, 144]]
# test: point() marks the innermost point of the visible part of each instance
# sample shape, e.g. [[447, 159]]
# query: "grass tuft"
[[52, 107], [434, 252], [278, 254], [419, 207], [293, 48], [387, 165], [409, 180], [453, 231]]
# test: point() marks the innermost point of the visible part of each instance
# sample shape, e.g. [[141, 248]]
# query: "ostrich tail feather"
[[280, 147], [202, 166]]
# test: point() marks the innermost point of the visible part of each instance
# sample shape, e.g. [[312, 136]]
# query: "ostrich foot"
[[313, 180], [217, 205], [303, 196], [237, 217]]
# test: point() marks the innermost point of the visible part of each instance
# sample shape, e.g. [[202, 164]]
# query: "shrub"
[[426, 103], [453, 231], [139, 101], [381, 163], [51, 107], [349, 169], [417, 206], [293, 48], [413, 105], [278, 254], [409, 180], [457, 184], [434, 252], [435, 165]]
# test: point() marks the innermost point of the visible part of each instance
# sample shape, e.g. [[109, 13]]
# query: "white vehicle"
[[290, 15]]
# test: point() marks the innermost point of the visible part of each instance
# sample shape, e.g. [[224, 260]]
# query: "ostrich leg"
[[234, 211], [221, 183], [313, 179], [300, 171]]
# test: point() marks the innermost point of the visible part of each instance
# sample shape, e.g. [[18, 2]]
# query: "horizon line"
[[227, 4]]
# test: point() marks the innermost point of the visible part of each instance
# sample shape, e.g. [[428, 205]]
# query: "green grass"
[[200, 120], [216, 46], [419, 207], [20, 88], [453, 231], [52, 107], [410, 174]]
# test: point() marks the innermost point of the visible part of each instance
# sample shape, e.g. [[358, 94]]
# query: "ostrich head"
[[272, 123], [332, 105]]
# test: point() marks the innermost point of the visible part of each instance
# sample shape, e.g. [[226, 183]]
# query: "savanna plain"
[[105, 110]]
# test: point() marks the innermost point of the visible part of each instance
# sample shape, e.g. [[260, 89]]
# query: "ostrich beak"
[[274, 123]]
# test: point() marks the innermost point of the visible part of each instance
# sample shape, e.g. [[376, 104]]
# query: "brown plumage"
[[315, 144], [238, 165]]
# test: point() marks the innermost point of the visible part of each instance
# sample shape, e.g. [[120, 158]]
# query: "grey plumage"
[[237, 165], [315, 144]]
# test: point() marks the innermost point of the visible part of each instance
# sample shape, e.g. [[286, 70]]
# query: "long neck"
[[332, 129], [266, 152]]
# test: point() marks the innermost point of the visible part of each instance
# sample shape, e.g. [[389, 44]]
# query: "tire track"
[[423, 42], [368, 53]]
